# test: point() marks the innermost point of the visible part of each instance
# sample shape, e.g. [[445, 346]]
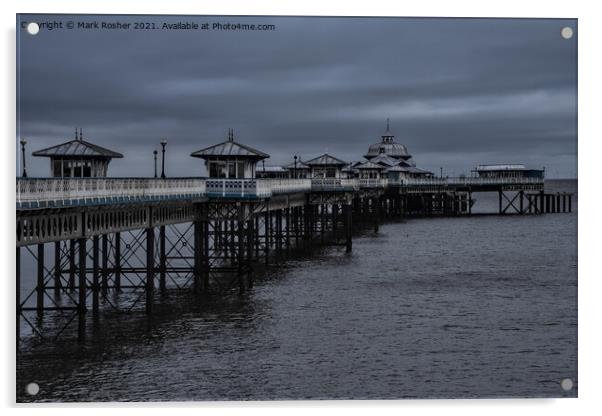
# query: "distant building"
[[230, 159], [508, 171], [370, 170], [388, 146], [78, 158], [393, 157], [326, 166], [272, 172], [298, 170]]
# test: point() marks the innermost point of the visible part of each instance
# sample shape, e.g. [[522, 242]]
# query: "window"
[[331, 173], [213, 170], [57, 168], [240, 170], [66, 169], [232, 170]]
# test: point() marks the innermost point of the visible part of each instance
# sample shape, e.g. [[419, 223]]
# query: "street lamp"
[[163, 143], [23, 143], [295, 167], [155, 155]]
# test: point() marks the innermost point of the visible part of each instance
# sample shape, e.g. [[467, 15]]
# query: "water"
[[428, 308]]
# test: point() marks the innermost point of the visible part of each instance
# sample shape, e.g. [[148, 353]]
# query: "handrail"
[[36, 192]]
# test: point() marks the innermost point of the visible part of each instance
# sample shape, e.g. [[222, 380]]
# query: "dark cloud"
[[458, 91]]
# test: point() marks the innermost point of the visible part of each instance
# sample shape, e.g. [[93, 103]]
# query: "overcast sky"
[[459, 92]]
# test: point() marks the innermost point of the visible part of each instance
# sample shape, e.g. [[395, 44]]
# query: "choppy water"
[[428, 308]]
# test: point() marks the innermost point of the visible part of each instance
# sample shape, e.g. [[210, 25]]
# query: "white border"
[[590, 70]]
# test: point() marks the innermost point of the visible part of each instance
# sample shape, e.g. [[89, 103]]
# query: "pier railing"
[[334, 184], [60, 192], [466, 181], [372, 183]]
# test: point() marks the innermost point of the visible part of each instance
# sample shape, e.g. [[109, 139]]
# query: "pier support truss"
[[73, 263], [127, 262]]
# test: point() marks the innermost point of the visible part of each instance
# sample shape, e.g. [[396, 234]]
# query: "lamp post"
[[441, 169], [163, 143], [295, 171], [155, 155], [23, 143]]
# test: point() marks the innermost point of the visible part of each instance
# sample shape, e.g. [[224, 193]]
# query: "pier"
[[94, 237]]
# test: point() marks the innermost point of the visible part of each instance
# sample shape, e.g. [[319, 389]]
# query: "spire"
[[388, 136], [230, 135], [81, 137], [76, 133]]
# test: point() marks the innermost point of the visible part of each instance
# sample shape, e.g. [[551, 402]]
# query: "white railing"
[[37, 192], [243, 188], [285, 186], [61, 191], [373, 183], [334, 184], [466, 181]]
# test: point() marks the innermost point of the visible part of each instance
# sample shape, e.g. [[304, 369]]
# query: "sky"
[[458, 92]]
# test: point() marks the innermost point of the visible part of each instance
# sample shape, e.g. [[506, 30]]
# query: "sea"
[[428, 308]]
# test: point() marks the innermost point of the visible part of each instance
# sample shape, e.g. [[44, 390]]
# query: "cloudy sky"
[[459, 92]]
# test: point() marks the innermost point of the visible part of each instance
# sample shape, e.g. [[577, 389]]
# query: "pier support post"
[[40, 281], [18, 296], [71, 283], [57, 267], [240, 256], [500, 193], [95, 275], [150, 268], [348, 228], [250, 240], [267, 226], [162, 260], [81, 303], [287, 219], [376, 213], [205, 253], [117, 282], [199, 241], [105, 263]]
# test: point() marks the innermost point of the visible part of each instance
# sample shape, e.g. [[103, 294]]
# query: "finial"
[[81, 137], [231, 134], [76, 133]]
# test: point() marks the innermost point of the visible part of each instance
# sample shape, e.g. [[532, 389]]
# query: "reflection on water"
[[449, 307]]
